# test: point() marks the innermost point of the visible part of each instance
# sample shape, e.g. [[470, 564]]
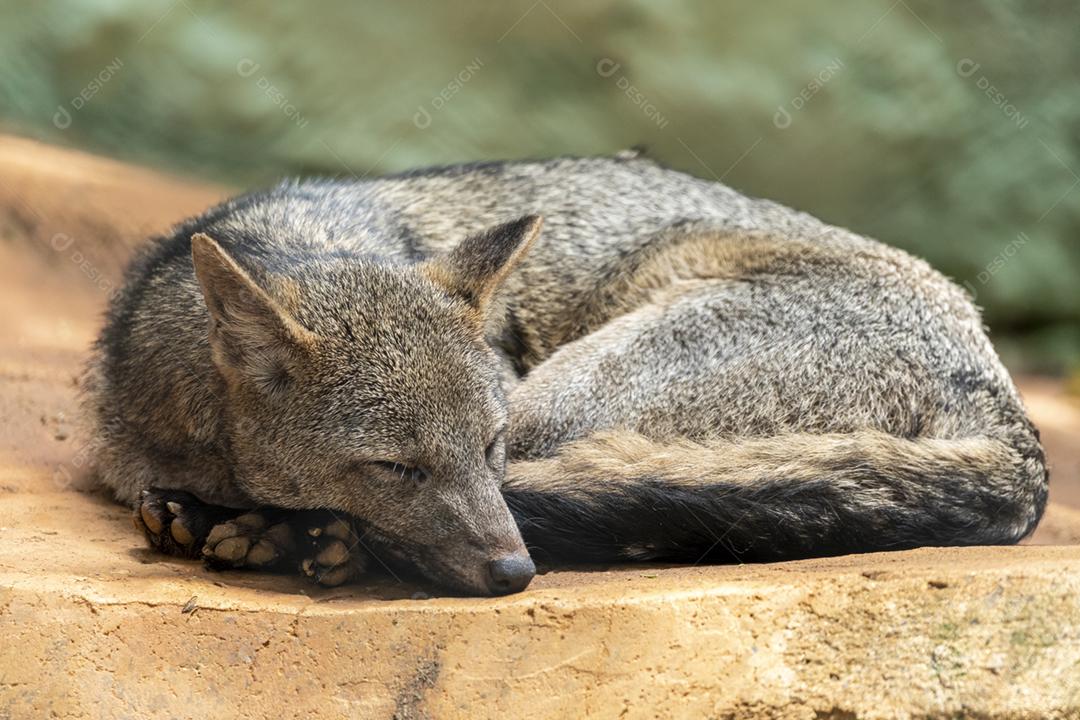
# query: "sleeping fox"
[[579, 359]]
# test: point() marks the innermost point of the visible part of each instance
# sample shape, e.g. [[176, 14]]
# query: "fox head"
[[368, 387]]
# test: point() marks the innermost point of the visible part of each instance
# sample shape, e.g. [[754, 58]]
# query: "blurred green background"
[[949, 129]]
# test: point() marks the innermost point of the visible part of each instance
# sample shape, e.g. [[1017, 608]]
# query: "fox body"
[[660, 369]]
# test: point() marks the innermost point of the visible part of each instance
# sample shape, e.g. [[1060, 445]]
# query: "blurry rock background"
[[950, 129]]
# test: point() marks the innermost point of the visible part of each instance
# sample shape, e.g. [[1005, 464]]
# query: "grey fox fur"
[[662, 369]]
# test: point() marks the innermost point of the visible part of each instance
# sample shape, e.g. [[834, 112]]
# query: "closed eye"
[[414, 473]]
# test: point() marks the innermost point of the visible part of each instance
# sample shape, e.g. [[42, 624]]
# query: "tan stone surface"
[[92, 625]]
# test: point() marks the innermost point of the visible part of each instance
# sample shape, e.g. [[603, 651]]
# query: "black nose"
[[510, 574]]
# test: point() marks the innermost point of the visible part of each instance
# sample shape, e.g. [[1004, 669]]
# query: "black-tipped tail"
[[622, 497]]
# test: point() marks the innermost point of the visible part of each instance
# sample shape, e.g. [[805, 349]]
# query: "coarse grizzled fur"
[[667, 370]]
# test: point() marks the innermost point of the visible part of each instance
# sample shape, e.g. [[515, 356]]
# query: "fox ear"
[[250, 334], [474, 269]]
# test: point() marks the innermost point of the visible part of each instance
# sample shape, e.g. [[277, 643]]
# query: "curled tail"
[[620, 496]]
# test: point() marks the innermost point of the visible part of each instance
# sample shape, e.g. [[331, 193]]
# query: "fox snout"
[[472, 569], [510, 574], [496, 565], [461, 536]]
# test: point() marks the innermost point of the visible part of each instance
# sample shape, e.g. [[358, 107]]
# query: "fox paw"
[[176, 522], [252, 540], [333, 555], [322, 546]]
